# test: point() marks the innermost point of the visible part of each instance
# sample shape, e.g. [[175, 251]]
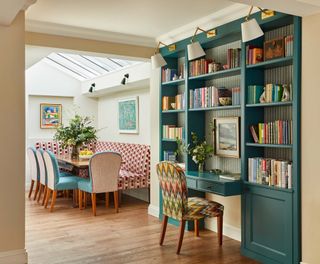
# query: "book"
[[254, 132]]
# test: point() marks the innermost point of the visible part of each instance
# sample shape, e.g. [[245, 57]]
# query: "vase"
[[75, 152], [200, 167]]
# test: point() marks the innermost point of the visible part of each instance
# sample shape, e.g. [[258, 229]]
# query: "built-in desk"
[[211, 183]]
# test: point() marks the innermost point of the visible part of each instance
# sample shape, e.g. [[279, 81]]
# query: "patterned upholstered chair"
[[34, 171], [177, 205], [104, 170], [55, 181]]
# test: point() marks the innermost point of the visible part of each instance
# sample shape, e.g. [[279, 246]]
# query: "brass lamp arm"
[[250, 11]]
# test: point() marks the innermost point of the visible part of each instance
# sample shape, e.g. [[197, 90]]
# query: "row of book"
[[288, 44], [272, 93], [173, 102], [169, 155], [199, 67], [233, 58], [270, 172], [172, 132], [209, 96], [168, 75], [277, 132], [254, 54]]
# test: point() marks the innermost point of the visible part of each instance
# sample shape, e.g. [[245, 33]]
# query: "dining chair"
[[55, 182], [177, 205], [43, 176], [34, 171], [104, 170]]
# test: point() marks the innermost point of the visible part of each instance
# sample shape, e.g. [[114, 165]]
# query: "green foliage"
[[78, 132]]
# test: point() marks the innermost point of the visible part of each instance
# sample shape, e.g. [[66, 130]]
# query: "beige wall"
[[310, 144], [12, 134]]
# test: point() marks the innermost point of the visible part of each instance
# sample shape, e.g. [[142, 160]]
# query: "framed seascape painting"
[[226, 137], [128, 111], [50, 115]]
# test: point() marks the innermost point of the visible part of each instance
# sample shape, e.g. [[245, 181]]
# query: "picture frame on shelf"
[[50, 115], [226, 136], [273, 49], [128, 115]]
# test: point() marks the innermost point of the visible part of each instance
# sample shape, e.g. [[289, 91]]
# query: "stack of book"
[[180, 101], [270, 172], [277, 132], [169, 155], [288, 45], [254, 54], [233, 58], [204, 97], [166, 102], [254, 93], [199, 67], [172, 132], [173, 102], [235, 95], [273, 93], [168, 74]]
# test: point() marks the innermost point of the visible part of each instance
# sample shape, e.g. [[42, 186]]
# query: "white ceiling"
[[148, 18]]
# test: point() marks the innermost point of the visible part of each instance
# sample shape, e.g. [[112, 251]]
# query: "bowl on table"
[[225, 100], [84, 157]]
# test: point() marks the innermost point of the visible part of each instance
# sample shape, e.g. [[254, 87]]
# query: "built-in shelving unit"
[[270, 214]]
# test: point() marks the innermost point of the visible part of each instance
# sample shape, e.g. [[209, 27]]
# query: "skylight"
[[84, 67]]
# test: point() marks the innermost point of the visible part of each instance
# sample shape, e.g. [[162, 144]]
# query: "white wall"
[[108, 117]]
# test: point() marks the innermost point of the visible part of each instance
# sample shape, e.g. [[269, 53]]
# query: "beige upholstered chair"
[[34, 171], [43, 175], [104, 170]]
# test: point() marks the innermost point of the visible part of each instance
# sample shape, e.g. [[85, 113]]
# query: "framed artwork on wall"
[[50, 115], [227, 137], [128, 115]]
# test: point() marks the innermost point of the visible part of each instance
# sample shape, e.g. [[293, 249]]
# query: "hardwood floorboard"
[[69, 235]]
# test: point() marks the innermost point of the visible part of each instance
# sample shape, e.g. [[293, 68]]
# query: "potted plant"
[[78, 132]]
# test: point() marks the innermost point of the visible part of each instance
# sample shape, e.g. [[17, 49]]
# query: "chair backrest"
[[174, 190], [104, 170], [52, 167], [42, 167], [33, 163]]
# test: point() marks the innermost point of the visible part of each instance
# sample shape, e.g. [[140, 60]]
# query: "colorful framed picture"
[[50, 115], [128, 111], [227, 137]]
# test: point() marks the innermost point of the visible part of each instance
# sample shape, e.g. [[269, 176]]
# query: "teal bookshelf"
[[270, 215]]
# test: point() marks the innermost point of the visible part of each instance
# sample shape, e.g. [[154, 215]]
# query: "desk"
[[211, 183]]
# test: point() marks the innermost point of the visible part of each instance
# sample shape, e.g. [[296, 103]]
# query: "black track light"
[[93, 85], [124, 80]]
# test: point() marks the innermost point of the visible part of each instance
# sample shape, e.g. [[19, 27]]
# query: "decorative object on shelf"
[[173, 106], [92, 88], [125, 78], [157, 61], [78, 132], [194, 48], [250, 29], [128, 112], [226, 136], [273, 49], [50, 115], [225, 101]]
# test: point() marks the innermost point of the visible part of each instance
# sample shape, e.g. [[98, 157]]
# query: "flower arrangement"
[[199, 150]]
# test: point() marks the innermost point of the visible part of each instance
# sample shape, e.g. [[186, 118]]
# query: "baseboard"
[[153, 210], [228, 230], [19, 256]]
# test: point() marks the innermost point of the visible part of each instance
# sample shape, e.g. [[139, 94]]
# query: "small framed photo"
[[50, 115], [227, 137], [128, 112]]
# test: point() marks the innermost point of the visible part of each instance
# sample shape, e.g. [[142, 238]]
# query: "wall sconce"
[[250, 28], [157, 61], [194, 49], [92, 87], [124, 80]]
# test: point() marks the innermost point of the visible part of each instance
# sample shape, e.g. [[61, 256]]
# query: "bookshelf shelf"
[[174, 83], [218, 74], [216, 108], [169, 140], [270, 104], [173, 111], [272, 63], [268, 145], [268, 187]]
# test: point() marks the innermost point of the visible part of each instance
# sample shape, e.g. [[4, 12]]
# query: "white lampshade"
[[157, 61], [195, 51], [250, 30]]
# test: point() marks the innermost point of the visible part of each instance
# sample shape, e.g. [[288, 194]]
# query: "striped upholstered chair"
[[104, 170], [34, 171], [177, 205]]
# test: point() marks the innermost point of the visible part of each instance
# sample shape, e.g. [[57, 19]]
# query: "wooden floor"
[[69, 235]]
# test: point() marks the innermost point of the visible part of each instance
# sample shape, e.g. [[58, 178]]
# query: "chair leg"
[[182, 226], [44, 194], [220, 228], [37, 190], [54, 196], [47, 198], [40, 192], [196, 227], [31, 188], [107, 200], [119, 198], [93, 200], [164, 228], [80, 200], [84, 200], [116, 201]]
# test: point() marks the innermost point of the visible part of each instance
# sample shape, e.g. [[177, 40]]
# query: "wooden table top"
[[74, 162]]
